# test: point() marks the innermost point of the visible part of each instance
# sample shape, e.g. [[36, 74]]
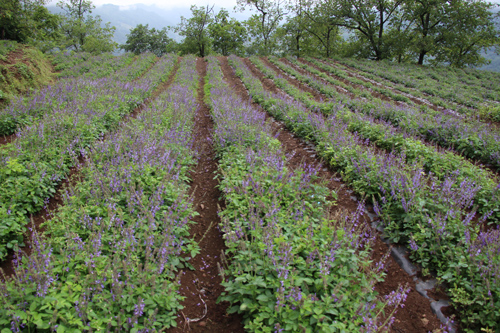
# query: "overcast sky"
[[228, 4]]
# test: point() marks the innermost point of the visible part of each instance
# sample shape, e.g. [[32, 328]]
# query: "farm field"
[[144, 194]]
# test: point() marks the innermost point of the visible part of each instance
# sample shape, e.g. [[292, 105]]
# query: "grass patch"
[[22, 69]]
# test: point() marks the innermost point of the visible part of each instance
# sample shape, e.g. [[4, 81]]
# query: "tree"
[[195, 32], [227, 35], [454, 32], [295, 34], [468, 31], [83, 32], [263, 25], [323, 23], [142, 39], [429, 19], [27, 21], [370, 18]]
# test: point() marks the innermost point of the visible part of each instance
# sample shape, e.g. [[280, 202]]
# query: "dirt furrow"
[[53, 204], [202, 286], [322, 97], [417, 315]]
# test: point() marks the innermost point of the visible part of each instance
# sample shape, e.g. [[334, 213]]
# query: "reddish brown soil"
[[202, 286], [416, 316], [7, 139], [347, 82], [319, 97], [304, 87], [7, 266]]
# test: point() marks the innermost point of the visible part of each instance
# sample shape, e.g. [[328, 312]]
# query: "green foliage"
[[141, 39], [28, 70], [113, 252], [228, 35], [27, 21], [291, 266], [430, 212], [83, 32], [263, 26], [195, 31]]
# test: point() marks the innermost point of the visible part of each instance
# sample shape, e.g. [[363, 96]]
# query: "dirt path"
[[202, 286], [56, 201], [417, 315]]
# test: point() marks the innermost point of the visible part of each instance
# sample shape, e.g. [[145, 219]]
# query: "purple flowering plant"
[[292, 266], [433, 215], [117, 243]]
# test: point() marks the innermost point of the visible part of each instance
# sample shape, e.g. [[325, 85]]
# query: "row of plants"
[[435, 81], [98, 66], [109, 257], [64, 60], [318, 81], [34, 164], [435, 218], [70, 93], [476, 141], [136, 68], [342, 74], [337, 66], [292, 268], [437, 162], [486, 111]]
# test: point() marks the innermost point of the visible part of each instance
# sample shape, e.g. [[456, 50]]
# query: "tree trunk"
[[297, 38], [421, 57]]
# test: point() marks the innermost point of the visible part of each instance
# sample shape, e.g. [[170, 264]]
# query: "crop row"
[[97, 67], [71, 93], [472, 90], [338, 68], [65, 60], [136, 68], [438, 163], [115, 245], [433, 217], [292, 267], [35, 163], [343, 75], [473, 140]]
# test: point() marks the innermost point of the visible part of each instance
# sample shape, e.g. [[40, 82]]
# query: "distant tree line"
[[455, 32]]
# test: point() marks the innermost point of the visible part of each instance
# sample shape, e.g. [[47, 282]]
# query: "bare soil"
[[202, 286], [416, 316]]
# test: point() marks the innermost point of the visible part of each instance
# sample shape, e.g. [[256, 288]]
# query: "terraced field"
[[144, 194]]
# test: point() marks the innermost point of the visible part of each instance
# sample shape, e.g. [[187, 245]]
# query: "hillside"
[[22, 68], [339, 189]]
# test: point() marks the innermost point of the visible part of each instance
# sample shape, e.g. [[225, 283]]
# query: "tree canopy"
[[453, 32], [141, 39]]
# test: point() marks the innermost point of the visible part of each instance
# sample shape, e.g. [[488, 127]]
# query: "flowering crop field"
[[100, 197]]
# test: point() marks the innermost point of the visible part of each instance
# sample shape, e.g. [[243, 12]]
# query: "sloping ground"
[[22, 68]]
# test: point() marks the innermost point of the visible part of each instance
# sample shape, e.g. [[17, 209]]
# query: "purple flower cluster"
[[120, 236]]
